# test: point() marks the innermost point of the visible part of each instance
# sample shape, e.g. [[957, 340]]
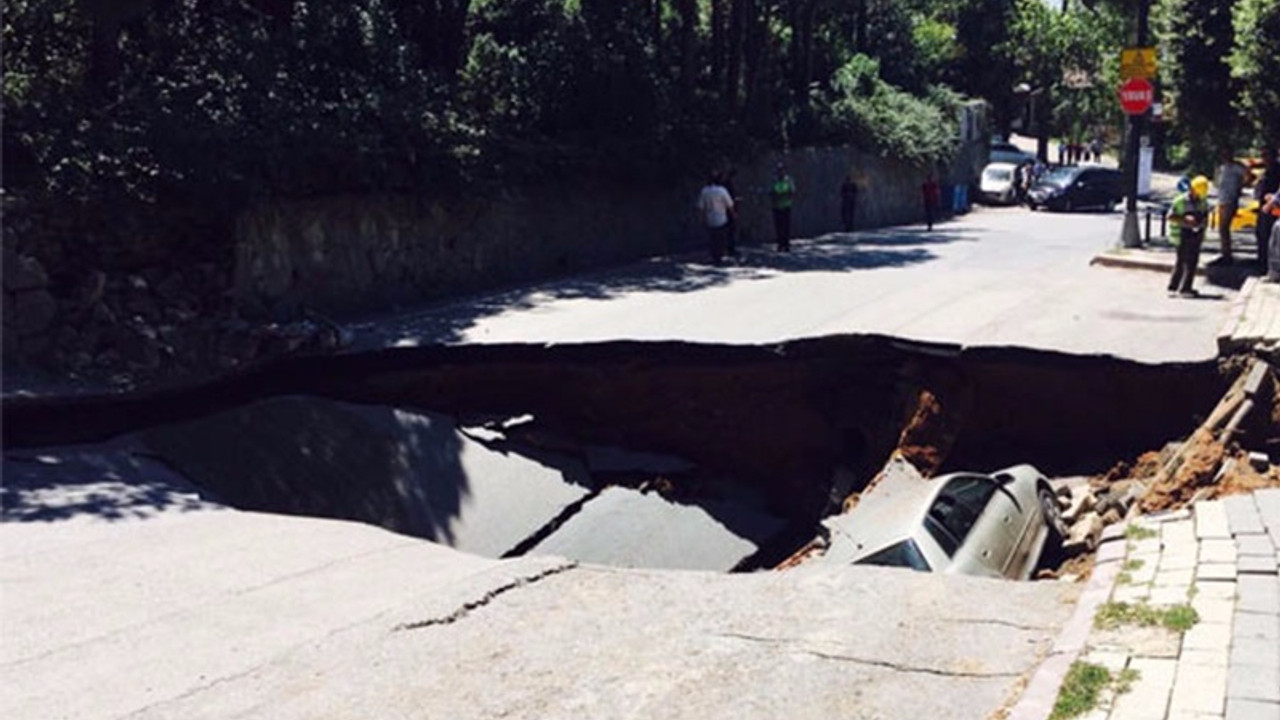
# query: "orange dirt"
[[1193, 479], [928, 436]]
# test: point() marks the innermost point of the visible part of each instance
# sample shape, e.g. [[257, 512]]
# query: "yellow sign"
[[1138, 62]]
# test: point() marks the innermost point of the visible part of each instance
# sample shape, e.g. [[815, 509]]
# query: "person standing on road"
[[1230, 181], [715, 206], [1187, 217], [848, 202], [931, 194], [731, 236], [1271, 208], [1268, 185], [782, 195]]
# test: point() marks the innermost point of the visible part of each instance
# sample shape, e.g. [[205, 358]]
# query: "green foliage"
[[1178, 618], [1199, 39], [862, 108], [1255, 63], [1083, 687], [1139, 532], [1081, 690]]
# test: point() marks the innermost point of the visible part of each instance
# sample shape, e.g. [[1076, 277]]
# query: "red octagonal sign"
[[1136, 96]]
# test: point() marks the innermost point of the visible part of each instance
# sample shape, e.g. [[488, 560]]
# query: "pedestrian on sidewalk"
[[931, 194], [1271, 208], [848, 202], [1230, 181], [1268, 185], [715, 207], [1187, 217], [782, 196]]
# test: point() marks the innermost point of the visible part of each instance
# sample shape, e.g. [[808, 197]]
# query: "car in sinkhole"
[[996, 525]]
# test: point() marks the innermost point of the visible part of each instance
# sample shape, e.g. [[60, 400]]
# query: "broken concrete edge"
[[1041, 691], [1227, 340], [1118, 259]]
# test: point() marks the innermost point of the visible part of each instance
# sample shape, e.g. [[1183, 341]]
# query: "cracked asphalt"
[[220, 613]]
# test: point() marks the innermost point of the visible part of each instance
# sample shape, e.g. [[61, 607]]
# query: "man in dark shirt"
[[848, 202]]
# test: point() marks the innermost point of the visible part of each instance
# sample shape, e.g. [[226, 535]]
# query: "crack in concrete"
[[1001, 623], [469, 607], [897, 667]]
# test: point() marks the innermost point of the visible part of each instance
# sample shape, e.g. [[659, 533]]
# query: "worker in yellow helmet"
[[1187, 216]]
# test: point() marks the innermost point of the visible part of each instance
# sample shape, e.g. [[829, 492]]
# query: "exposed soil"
[[928, 436]]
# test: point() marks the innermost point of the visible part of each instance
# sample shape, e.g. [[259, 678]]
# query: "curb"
[[1041, 692], [1126, 262]]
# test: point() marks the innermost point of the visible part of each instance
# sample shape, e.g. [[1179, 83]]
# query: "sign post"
[[1136, 96], [1137, 67]]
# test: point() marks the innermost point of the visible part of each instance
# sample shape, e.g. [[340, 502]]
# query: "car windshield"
[[1060, 177], [998, 174], [901, 554]]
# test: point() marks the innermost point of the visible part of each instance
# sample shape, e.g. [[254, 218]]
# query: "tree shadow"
[[446, 323], [113, 481]]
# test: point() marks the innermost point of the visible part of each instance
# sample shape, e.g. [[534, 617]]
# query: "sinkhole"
[[637, 454]]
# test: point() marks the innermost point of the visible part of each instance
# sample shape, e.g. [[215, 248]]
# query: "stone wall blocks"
[[24, 273]]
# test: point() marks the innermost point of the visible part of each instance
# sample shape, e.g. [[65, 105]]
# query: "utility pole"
[[1129, 235]]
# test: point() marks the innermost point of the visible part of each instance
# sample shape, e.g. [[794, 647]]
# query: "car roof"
[[1000, 165]]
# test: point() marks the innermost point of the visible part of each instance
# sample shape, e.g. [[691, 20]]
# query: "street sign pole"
[[1129, 235]]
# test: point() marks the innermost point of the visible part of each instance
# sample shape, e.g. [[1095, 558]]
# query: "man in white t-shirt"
[[715, 208]]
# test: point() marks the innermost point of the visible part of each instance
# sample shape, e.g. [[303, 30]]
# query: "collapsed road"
[[506, 449]]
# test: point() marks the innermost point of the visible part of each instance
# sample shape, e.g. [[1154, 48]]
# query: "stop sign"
[[1136, 96]]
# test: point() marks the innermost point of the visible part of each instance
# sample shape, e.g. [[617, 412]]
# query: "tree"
[[1255, 64], [1200, 40]]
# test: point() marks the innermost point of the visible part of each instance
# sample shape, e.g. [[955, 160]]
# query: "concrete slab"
[[1212, 572], [235, 614], [1211, 520], [1253, 682], [411, 472], [1242, 514], [1149, 697], [1257, 564], [1260, 626], [1255, 545], [627, 528], [1258, 593], [1199, 689], [1252, 710], [1218, 550]]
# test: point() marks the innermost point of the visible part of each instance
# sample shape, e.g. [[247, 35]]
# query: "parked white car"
[[998, 184], [995, 525]]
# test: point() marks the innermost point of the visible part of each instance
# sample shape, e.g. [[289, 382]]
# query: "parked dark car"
[[1073, 188]]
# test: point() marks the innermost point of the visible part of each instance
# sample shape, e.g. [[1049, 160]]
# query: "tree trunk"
[[688, 13]]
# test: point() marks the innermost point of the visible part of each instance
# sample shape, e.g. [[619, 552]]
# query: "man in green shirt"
[[1187, 217], [781, 194]]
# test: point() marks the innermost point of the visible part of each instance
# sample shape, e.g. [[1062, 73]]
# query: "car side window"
[[956, 509]]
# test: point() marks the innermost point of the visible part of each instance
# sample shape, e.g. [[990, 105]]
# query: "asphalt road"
[[998, 276]]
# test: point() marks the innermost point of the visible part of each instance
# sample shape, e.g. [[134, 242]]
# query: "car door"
[[1087, 190], [975, 524]]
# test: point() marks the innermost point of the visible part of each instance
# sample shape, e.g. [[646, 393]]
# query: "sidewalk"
[[1220, 559]]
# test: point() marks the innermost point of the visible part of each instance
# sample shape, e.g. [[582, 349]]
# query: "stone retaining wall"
[[346, 254]]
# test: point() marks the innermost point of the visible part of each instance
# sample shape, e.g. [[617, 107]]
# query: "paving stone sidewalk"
[[1220, 557]]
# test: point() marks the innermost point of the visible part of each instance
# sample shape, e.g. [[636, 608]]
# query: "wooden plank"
[[1253, 380]]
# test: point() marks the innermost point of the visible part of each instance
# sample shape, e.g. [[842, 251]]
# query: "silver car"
[[994, 525]]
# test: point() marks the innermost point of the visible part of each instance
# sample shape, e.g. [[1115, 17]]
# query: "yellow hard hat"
[[1200, 185]]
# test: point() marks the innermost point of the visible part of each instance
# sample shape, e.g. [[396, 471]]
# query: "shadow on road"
[[833, 252]]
